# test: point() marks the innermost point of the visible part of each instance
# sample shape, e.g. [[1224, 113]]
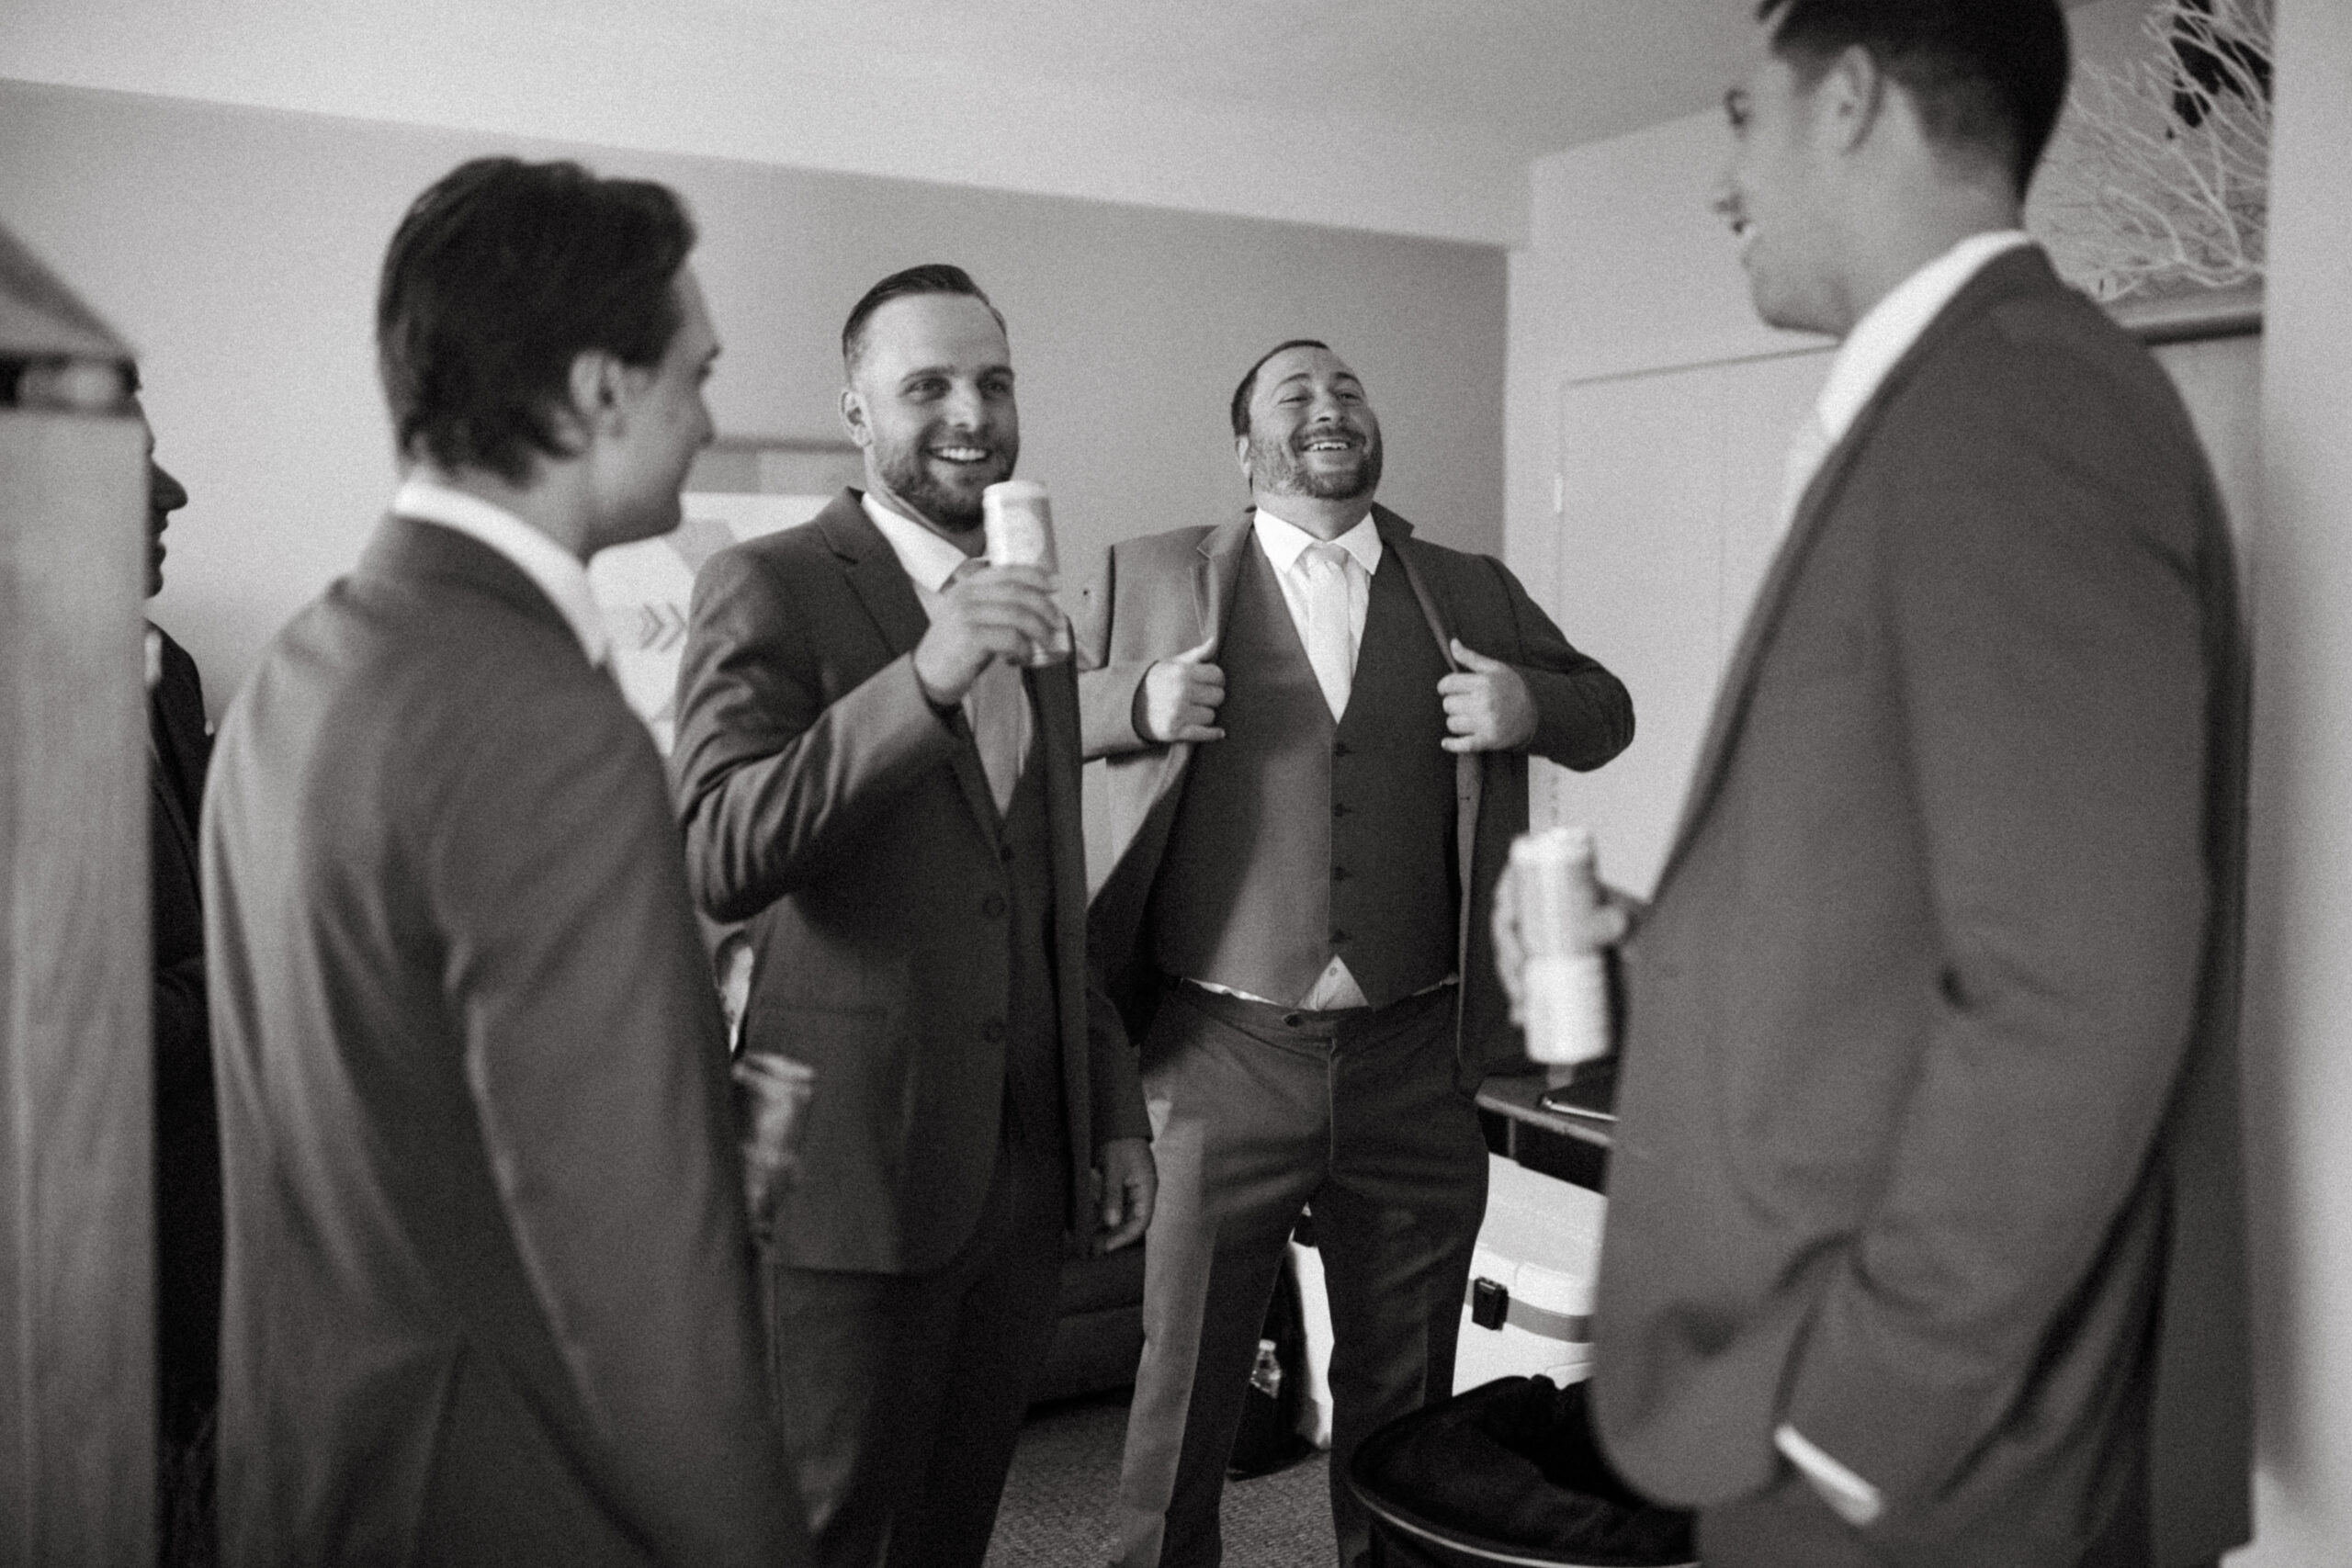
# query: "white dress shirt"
[[553, 570], [997, 708], [1885, 335], [1879, 339]]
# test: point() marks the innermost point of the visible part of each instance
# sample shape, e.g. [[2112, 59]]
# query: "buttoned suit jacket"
[[1162, 594], [1927, 1136], [489, 1297], [827, 802]]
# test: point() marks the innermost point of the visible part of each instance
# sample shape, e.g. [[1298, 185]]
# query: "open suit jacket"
[[489, 1297], [1167, 593], [831, 805], [1927, 1136]]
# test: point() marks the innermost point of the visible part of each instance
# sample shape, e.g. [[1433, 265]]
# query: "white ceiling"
[[1416, 116], [1409, 115]]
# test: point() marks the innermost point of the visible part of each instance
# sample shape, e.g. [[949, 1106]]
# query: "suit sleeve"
[[1106, 692], [596, 1061], [771, 776], [1115, 1076], [1583, 714], [2037, 587]]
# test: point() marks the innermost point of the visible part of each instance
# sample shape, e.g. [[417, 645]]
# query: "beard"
[[951, 502], [1280, 471]]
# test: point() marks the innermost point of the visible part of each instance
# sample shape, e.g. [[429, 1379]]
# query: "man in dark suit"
[[1923, 1243], [188, 1127], [873, 774], [1317, 728], [489, 1287]]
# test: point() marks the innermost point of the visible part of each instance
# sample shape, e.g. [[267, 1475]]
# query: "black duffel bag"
[[1508, 1472]]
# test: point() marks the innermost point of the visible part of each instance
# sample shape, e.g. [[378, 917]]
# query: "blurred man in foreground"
[[489, 1295]]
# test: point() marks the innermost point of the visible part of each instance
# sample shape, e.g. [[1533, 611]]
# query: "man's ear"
[[1241, 457], [1848, 99], [595, 401], [854, 420]]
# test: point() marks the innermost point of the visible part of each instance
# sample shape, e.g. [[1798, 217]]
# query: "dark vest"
[[1033, 1074], [1299, 838]]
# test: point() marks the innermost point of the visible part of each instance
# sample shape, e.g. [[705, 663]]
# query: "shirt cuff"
[[1850, 1498]]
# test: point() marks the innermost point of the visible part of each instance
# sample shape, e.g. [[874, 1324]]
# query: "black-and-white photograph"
[[1237, 784]]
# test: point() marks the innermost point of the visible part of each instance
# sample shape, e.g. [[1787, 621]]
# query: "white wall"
[[2300, 938], [237, 249]]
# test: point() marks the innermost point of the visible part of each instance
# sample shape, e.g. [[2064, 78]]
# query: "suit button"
[[993, 906], [992, 1030], [1292, 1021], [1005, 854]]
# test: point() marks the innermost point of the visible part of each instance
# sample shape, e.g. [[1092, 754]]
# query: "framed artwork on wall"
[[738, 488]]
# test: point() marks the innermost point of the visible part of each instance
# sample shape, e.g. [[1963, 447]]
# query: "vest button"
[[992, 1030], [1339, 809], [1338, 936], [1340, 748], [992, 905], [1005, 854], [1339, 874]]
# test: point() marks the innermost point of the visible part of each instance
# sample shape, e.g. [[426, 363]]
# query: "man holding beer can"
[[1318, 727], [879, 767]]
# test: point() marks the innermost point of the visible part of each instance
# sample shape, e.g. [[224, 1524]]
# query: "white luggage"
[[1528, 1312]]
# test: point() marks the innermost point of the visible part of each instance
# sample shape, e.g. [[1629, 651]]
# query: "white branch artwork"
[[2164, 163]]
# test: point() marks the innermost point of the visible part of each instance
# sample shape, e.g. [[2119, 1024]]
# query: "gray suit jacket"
[[1167, 593], [1927, 1132], [489, 1287], [827, 802]]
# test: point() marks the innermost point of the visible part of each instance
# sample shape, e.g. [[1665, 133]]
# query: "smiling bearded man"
[[872, 776], [1317, 728]]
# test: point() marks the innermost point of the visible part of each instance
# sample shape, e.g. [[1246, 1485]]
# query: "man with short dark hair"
[[489, 1296], [1317, 728], [1923, 1240], [874, 773]]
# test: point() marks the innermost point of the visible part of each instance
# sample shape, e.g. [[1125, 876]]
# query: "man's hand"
[[1179, 699], [1127, 1186], [998, 611], [1606, 928], [1488, 705]]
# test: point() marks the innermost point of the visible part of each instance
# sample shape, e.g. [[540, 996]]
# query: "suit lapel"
[[2015, 272], [1469, 768], [1217, 572], [883, 587]]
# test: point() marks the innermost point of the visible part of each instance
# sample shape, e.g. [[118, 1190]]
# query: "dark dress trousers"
[[489, 1295], [1247, 863], [1927, 1137], [187, 1129], [925, 953]]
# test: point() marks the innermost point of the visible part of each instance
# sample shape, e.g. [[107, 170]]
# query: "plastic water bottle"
[[1556, 875]]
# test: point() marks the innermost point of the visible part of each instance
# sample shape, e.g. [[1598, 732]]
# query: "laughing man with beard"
[[871, 774], [1317, 729]]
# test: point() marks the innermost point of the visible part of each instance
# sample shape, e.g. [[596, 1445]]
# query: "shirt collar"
[[926, 558], [1285, 541], [1889, 328], [553, 570]]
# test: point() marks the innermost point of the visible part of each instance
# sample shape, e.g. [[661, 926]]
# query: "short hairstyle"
[[502, 273], [1989, 76], [1249, 387], [931, 277]]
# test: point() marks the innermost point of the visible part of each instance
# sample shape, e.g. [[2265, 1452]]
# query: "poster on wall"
[[737, 490]]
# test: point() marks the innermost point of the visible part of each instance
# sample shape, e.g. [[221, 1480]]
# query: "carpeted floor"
[[1056, 1511]]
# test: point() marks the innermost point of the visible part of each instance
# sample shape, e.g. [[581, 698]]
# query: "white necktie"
[[1331, 645], [998, 711], [1807, 447]]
